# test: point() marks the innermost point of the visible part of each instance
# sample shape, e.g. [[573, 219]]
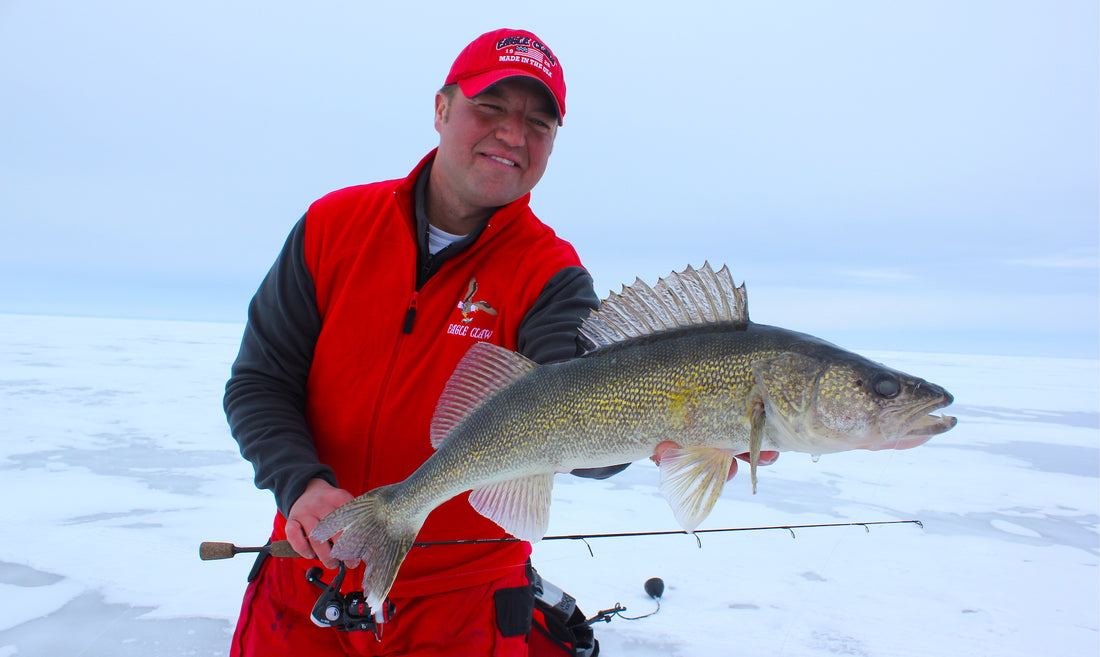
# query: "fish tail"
[[369, 530]]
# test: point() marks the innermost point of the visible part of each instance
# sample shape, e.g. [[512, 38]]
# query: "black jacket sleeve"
[[265, 396], [548, 333]]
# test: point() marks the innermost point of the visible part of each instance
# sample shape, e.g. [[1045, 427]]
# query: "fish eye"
[[886, 385]]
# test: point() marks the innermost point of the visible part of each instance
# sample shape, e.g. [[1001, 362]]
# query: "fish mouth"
[[924, 427], [932, 425]]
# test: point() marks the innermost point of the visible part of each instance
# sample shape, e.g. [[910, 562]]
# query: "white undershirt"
[[439, 240]]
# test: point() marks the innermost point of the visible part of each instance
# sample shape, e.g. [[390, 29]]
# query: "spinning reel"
[[347, 613]]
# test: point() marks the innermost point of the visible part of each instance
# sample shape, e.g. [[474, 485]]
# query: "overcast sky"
[[886, 174]]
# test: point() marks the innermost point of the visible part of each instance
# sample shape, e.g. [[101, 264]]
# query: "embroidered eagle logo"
[[468, 306]]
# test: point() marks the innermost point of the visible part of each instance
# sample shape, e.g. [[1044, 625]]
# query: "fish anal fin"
[[482, 372], [692, 478], [520, 506]]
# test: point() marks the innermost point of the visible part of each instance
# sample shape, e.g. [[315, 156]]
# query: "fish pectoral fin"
[[756, 438], [520, 506], [692, 478]]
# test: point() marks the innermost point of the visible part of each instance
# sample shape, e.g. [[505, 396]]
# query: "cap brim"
[[476, 84]]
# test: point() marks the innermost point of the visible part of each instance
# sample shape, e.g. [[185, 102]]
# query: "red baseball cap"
[[501, 54]]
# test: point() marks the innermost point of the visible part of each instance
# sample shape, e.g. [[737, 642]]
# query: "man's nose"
[[512, 130]]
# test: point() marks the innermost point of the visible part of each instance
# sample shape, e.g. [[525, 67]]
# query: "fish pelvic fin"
[[520, 506], [692, 478], [367, 531], [688, 298], [483, 371]]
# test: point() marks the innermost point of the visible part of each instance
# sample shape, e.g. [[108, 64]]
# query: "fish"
[[679, 361]]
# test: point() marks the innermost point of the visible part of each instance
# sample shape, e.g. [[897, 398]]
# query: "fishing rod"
[[585, 537], [210, 550], [350, 613]]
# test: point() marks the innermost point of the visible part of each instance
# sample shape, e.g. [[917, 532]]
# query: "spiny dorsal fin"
[[687, 298], [482, 372]]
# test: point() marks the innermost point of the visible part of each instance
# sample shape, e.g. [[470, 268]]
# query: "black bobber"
[[655, 587]]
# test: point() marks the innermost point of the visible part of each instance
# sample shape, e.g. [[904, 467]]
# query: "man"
[[378, 292]]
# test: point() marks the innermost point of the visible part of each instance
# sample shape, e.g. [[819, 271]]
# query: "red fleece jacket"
[[333, 381]]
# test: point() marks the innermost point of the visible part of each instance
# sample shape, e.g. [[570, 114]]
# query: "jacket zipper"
[[410, 313], [379, 403], [422, 276]]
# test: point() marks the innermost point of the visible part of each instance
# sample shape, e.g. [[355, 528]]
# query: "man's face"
[[493, 148]]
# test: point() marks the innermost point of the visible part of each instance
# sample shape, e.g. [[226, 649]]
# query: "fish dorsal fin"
[[688, 298], [484, 371]]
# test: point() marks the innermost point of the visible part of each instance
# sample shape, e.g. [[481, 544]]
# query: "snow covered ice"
[[116, 463]]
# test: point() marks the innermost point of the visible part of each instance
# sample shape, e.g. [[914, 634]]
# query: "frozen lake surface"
[[116, 463]]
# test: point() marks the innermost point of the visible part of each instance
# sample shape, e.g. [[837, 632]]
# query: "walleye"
[[679, 361]]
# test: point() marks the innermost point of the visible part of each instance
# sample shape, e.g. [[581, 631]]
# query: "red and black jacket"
[[354, 332]]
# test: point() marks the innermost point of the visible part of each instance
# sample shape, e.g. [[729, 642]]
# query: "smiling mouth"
[[502, 160]]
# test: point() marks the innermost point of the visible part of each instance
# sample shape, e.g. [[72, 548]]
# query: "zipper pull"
[[410, 314]]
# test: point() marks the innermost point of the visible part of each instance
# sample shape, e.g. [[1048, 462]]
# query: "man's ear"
[[442, 109]]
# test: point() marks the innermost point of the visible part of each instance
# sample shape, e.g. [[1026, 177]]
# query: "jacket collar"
[[410, 195]]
